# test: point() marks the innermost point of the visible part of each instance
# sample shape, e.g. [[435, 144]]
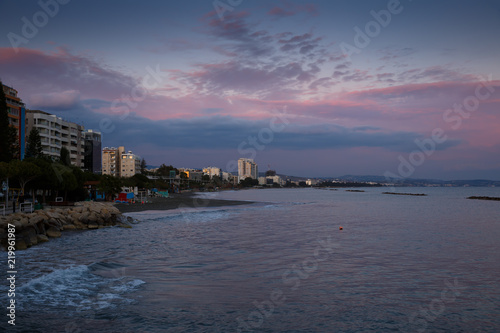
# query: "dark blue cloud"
[[226, 132]]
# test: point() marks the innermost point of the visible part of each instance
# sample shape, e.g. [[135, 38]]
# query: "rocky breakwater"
[[41, 225]]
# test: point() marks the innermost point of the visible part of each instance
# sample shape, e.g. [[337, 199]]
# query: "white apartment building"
[[56, 133], [247, 168], [130, 164]]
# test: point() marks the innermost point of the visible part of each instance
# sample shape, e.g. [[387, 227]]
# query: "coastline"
[[21, 230], [175, 201]]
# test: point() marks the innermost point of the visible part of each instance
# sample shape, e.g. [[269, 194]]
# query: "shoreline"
[[187, 200], [19, 231]]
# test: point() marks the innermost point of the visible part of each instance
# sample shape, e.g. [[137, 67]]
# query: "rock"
[[79, 225], [29, 235], [84, 217], [39, 226], [113, 210], [105, 213], [93, 217], [95, 209], [42, 238], [53, 232], [21, 244], [100, 220], [75, 216], [37, 218], [53, 223], [33, 240], [24, 222]]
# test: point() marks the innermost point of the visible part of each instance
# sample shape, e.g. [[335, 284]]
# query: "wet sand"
[[177, 201]]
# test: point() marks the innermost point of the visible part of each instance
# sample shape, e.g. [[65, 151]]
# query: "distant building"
[[226, 176], [116, 162], [192, 174], [92, 160], [111, 160], [17, 115], [56, 133], [311, 182], [212, 171], [247, 168], [271, 180], [130, 164]]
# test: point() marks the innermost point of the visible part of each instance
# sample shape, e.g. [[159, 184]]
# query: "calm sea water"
[[401, 263]]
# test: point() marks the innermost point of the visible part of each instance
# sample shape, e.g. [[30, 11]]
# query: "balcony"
[[13, 112]]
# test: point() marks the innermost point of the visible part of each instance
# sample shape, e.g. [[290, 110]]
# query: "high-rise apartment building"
[[92, 160], [247, 168], [57, 133], [111, 160], [130, 164], [16, 113], [118, 163]]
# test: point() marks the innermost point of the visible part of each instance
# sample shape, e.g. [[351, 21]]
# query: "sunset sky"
[[308, 88]]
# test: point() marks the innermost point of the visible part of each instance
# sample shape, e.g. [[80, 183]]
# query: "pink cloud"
[[39, 72], [290, 9], [61, 100]]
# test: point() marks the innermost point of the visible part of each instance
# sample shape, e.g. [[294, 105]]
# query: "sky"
[[306, 88]]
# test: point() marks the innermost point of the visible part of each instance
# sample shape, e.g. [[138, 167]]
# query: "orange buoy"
[[341, 228]]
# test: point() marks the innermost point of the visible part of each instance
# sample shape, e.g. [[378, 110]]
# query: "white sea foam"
[[77, 287], [128, 286]]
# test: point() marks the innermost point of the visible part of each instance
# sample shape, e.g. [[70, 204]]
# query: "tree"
[[141, 181], [143, 166], [270, 173], [8, 135], [110, 185], [4, 170], [24, 172], [164, 170], [249, 182], [64, 157], [78, 193], [217, 180], [68, 183], [49, 179], [34, 145]]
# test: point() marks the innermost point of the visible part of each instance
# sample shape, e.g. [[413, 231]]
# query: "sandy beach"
[[176, 201]]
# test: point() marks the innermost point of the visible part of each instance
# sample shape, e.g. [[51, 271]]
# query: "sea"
[[294, 260]]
